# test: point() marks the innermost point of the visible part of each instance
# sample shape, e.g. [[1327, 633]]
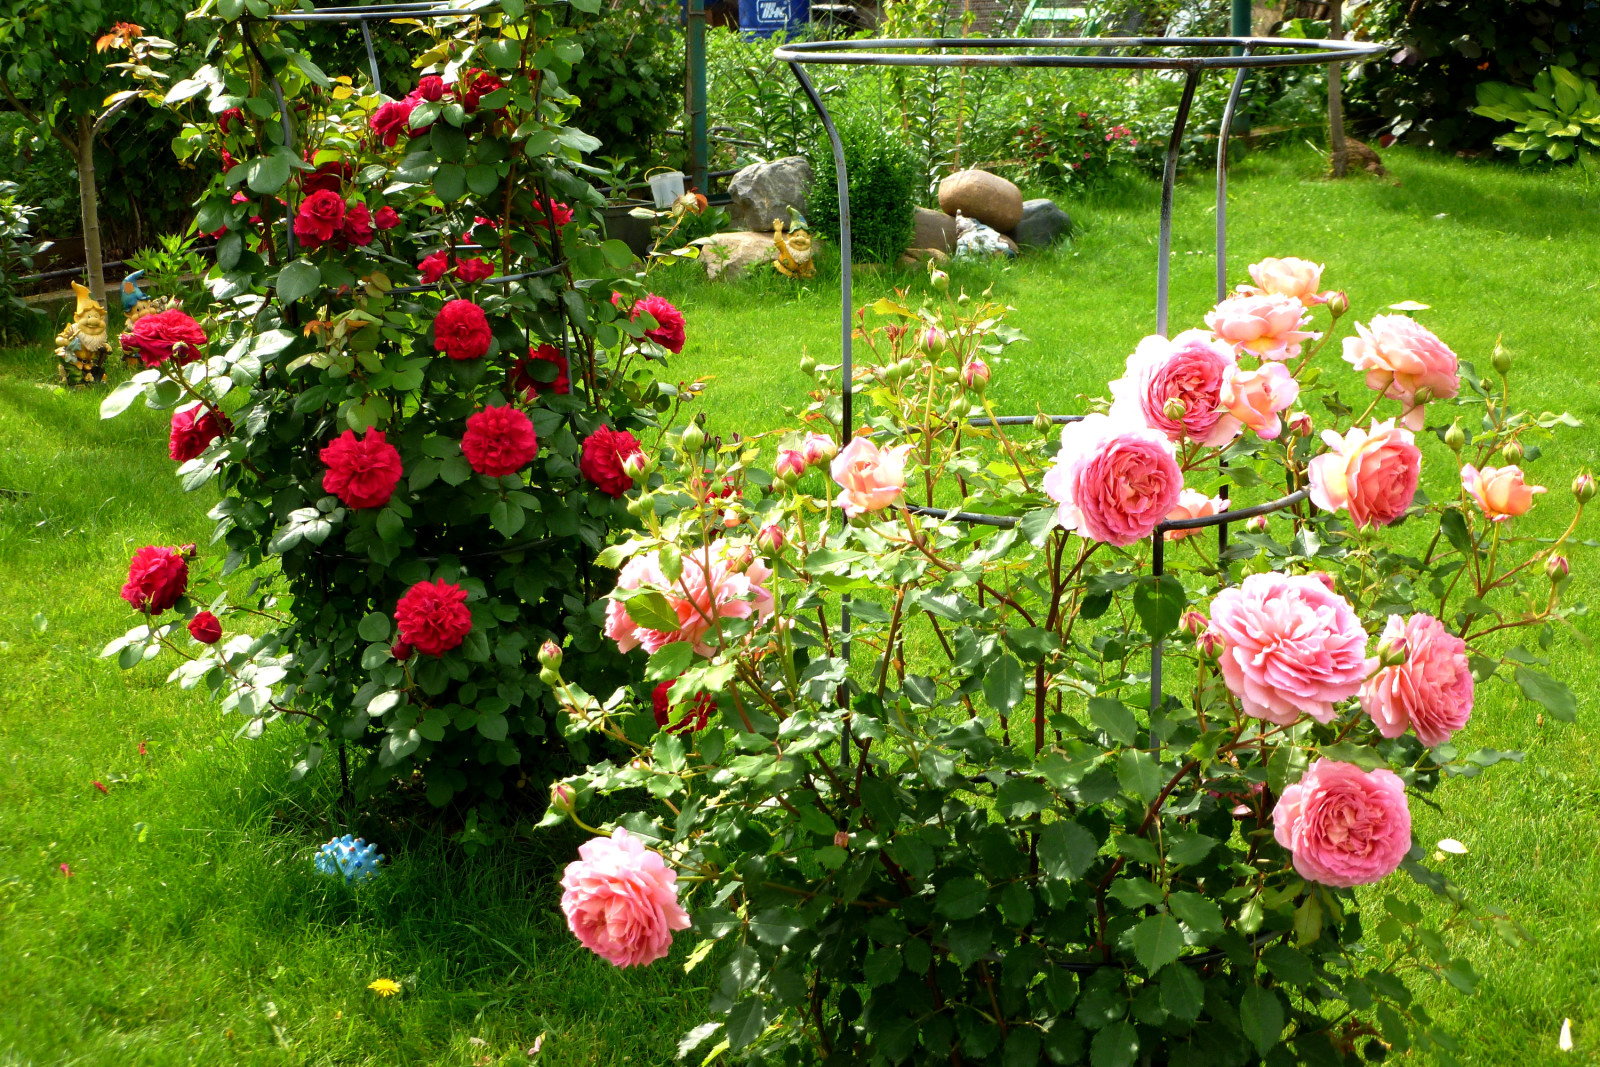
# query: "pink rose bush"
[[621, 901], [1429, 691], [1344, 826], [1372, 474], [717, 583], [1113, 480]]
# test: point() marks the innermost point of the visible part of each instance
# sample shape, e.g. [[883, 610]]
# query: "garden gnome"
[[794, 252], [132, 295], [81, 347]]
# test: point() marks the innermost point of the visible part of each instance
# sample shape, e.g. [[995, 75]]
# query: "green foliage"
[[630, 82], [885, 184], [757, 109], [1557, 120], [17, 249], [173, 268]]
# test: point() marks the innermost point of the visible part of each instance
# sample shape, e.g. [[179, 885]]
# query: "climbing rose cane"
[[621, 900]]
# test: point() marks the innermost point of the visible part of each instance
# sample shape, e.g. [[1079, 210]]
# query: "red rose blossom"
[[474, 270], [431, 88], [358, 225], [362, 472], [499, 440], [205, 628], [157, 577], [601, 462], [193, 429], [699, 713], [668, 332], [561, 211], [433, 617], [321, 216], [228, 162], [433, 267], [228, 118], [461, 330], [387, 218], [165, 335], [330, 177], [530, 389], [474, 85], [390, 121]]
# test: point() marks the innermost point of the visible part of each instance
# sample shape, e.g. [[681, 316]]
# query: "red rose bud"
[[1193, 623], [550, 655], [791, 465], [386, 218], [1583, 488], [636, 465], [933, 340], [401, 650], [770, 539], [205, 628], [1557, 567], [975, 375]]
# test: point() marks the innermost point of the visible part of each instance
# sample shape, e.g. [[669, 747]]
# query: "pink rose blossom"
[[871, 478], [1344, 826], [1499, 491], [1114, 480], [1293, 646], [621, 900], [1193, 504], [1289, 276], [731, 587], [1191, 368], [1254, 397], [1265, 325], [1372, 473], [1431, 692], [1401, 357]]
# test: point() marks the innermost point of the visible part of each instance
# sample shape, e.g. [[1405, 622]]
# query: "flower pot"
[[627, 228]]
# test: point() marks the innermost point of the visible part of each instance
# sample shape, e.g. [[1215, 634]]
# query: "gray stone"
[[977, 194], [735, 252], [764, 192], [934, 229], [1042, 224]]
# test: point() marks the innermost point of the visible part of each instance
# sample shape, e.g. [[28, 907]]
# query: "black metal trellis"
[[1242, 54]]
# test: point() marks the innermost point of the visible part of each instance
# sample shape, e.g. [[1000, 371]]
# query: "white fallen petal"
[[1452, 846], [1565, 1041]]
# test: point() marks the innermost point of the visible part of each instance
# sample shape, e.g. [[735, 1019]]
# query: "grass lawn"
[[191, 929]]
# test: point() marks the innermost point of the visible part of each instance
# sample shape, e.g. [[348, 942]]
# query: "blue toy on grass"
[[351, 857]]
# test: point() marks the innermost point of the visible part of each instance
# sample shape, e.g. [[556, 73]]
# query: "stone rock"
[[977, 194], [735, 252], [1042, 224], [934, 229], [764, 192]]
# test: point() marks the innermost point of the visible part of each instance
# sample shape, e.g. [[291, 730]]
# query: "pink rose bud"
[[1392, 652], [635, 465], [1338, 303], [742, 560], [818, 449], [1193, 623], [562, 798], [770, 539], [939, 280], [1300, 422], [1210, 644], [1256, 524], [933, 340], [550, 655], [1511, 451], [1557, 567], [975, 375], [842, 839], [791, 465], [1583, 488]]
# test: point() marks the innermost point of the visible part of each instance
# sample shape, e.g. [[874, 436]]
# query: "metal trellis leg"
[[1222, 261], [372, 56], [1169, 179]]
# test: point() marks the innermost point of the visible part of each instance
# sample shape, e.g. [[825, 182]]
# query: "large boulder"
[[1042, 223], [977, 194], [934, 229], [764, 192], [735, 252]]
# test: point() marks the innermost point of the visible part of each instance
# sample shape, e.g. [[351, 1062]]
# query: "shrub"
[[885, 185], [17, 249], [974, 827], [417, 461], [1558, 119], [630, 82]]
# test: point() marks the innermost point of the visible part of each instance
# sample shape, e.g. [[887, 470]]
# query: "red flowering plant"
[[913, 777], [412, 392]]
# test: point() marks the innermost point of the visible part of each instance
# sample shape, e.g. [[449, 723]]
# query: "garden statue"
[[794, 254], [131, 293], [354, 859], [81, 347]]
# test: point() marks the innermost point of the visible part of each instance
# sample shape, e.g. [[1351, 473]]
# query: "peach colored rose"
[[1254, 397], [1293, 646], [1371, 473], [1113, 479], [872, 479], [1400, 357], [1431, 692], [1344, 826], [718, 582], [1191, 369], [1193, 504], [1499, 491], [1265, 325], [1289, 276], [621, 900]]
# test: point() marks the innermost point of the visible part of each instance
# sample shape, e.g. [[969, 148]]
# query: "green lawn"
[[192, 930]]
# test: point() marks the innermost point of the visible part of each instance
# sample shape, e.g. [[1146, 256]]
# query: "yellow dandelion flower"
[[385, 987]]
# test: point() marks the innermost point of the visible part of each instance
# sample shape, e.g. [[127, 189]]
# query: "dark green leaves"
[[1115, 1046], [1066, 850], [1261, 1017], [375, 626], [961, 898], [267, 174], [1157, 942], [1159, 603], [1003, 684], [1554, 695], [298, 280], [1115, 719], [1182, 993]]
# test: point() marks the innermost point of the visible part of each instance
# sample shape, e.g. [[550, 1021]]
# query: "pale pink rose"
[[717, 582], [1293, 646], [1499, 491], [1265, 325], [818, 449], [1114, 479], [790, 461], [1372, 473], [1344, 826], [1191, 368], [1431, 692], [1401, 357], [1289, 276], [1193, 504], [1254, 397], [621, 900], [871, 478]]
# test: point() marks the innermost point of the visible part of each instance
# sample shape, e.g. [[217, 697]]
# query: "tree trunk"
[[1339, 155], [89, 201]]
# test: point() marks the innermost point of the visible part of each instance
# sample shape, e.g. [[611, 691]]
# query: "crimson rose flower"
[[321, 216], [193, 429], [362, 472], [499, 440], [433, 617], [522, 380], [601, 462], [387, 218], [390, 121], [559, 210], [433, 267], [474, 270], [699, 713], [157, 577], [358, 225], [228, 118], [330, 177], [205, 628], [668, 331], [474, 85], [461, 330], [431, 88], [163, 336]]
